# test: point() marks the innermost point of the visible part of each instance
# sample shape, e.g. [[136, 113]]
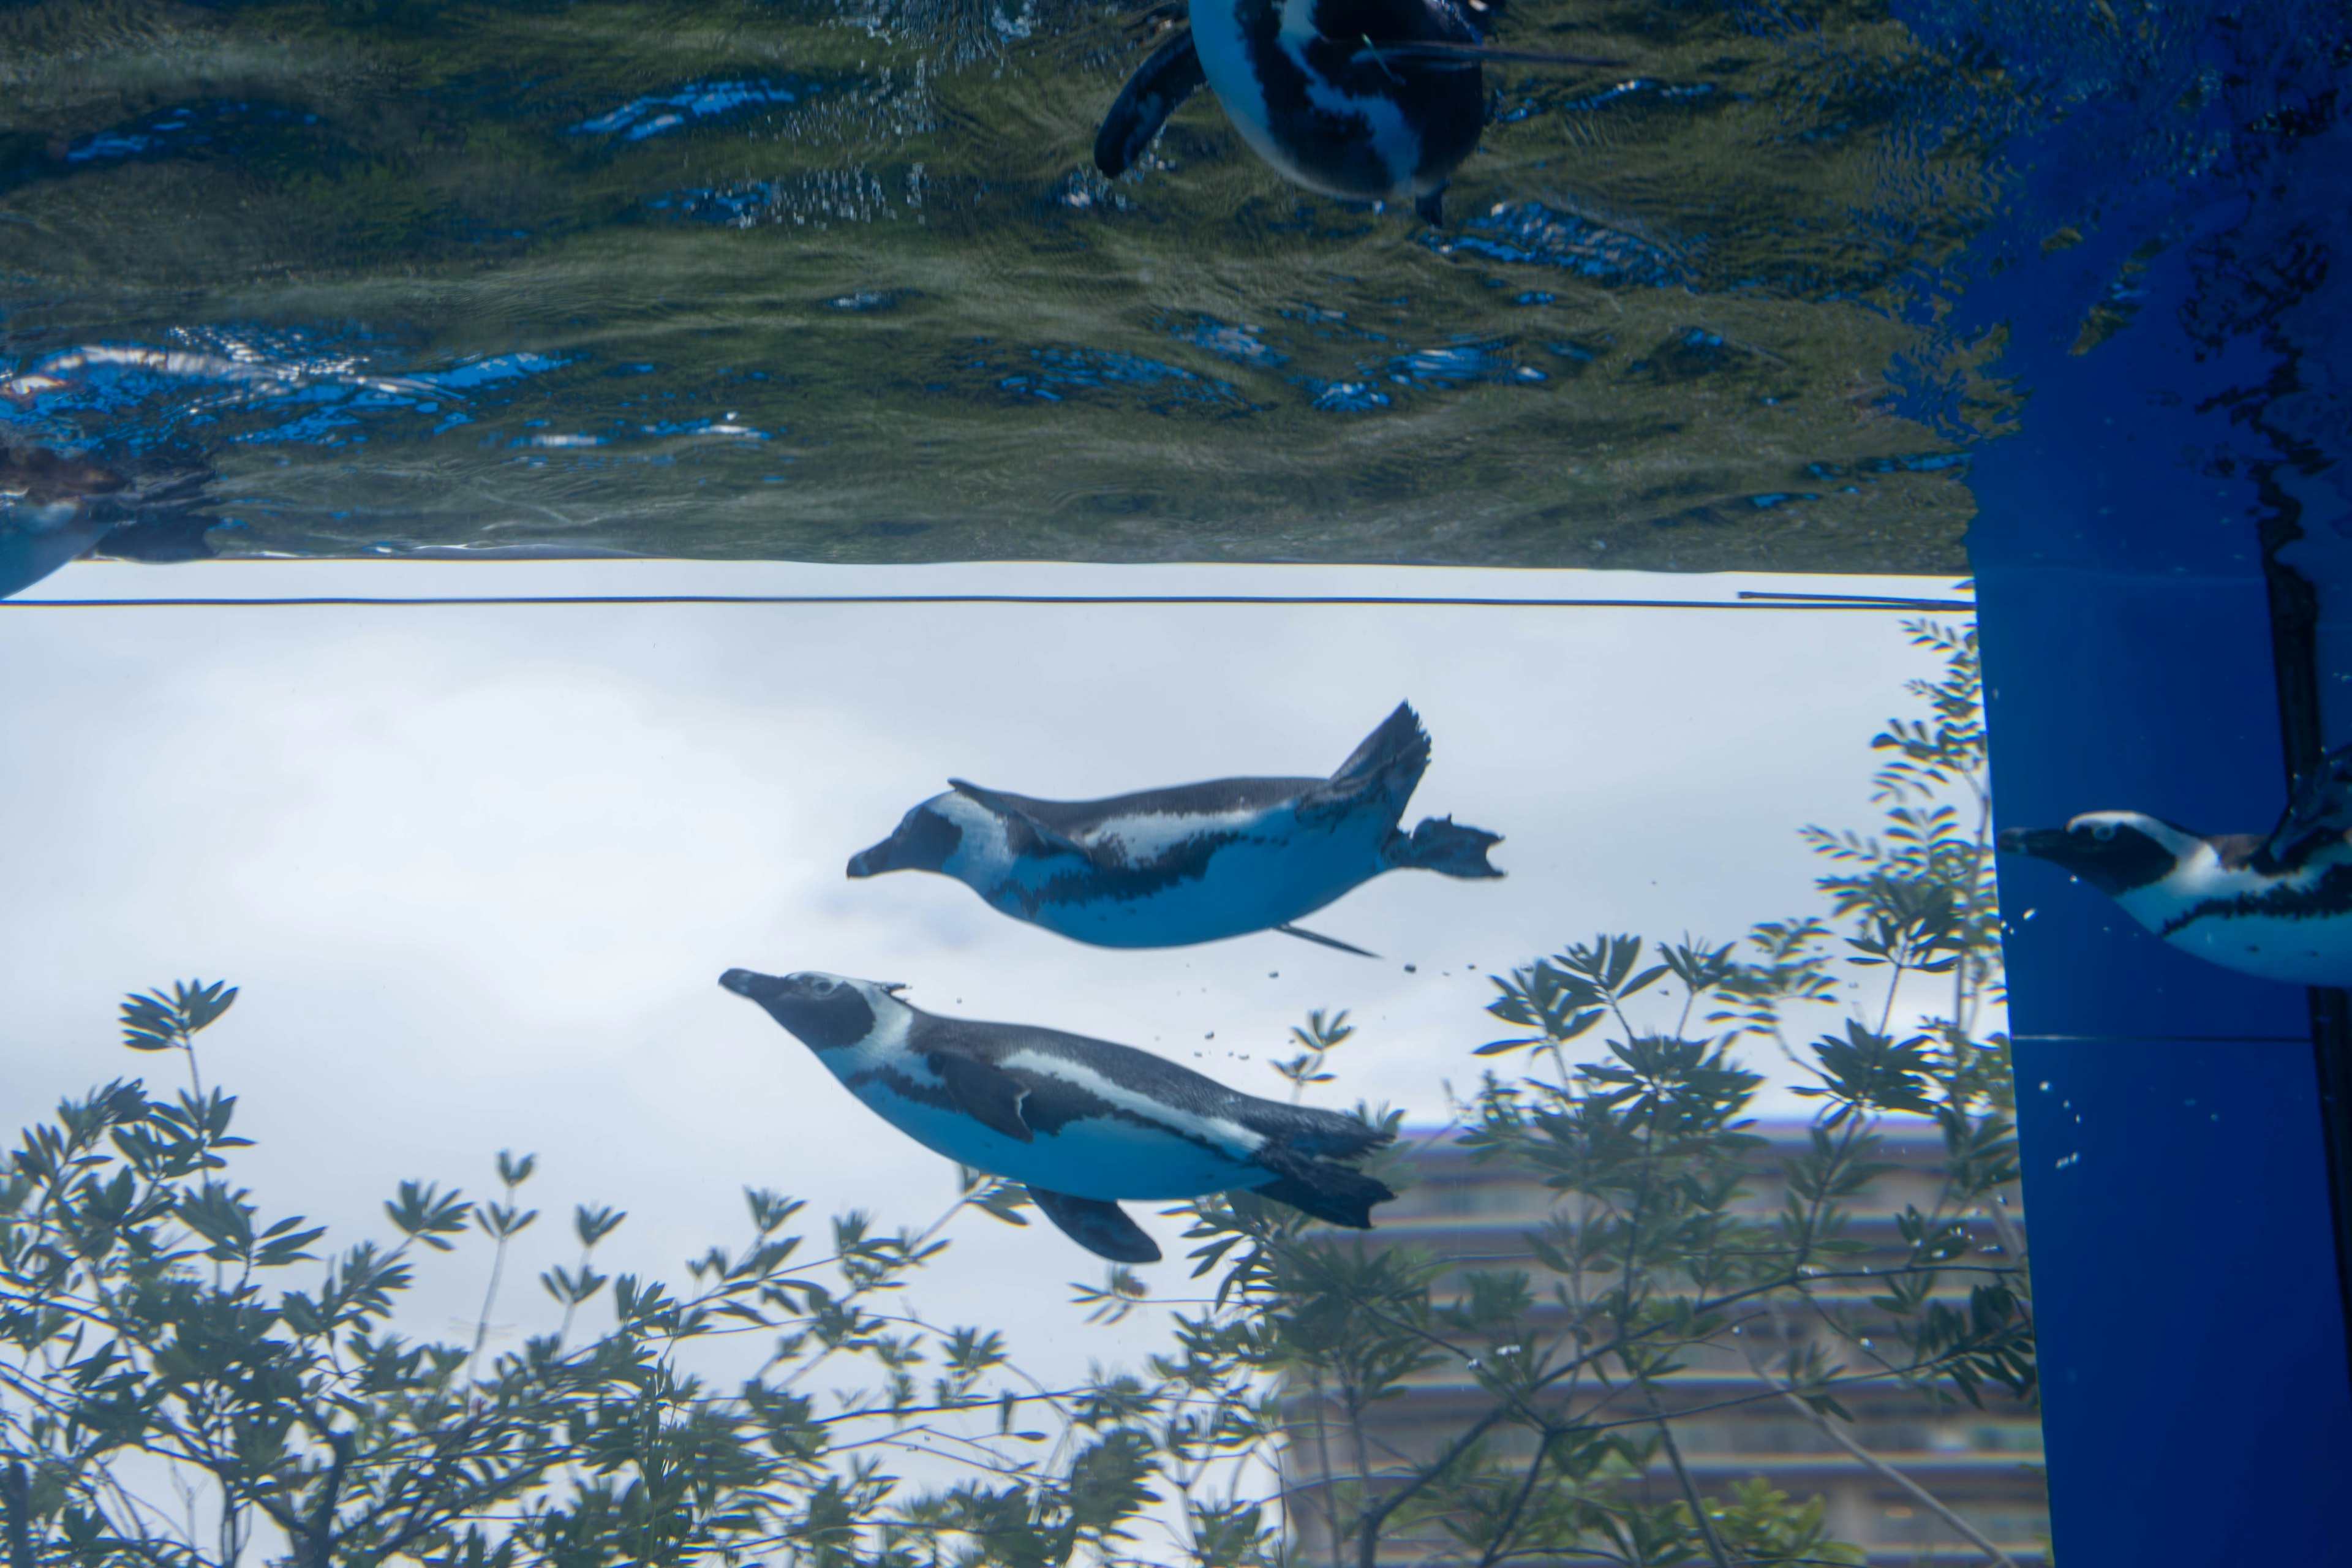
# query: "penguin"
[[1168, 868], [48, 515], [1082, 1124], [2278, 907], [55, 508], [1368, 99]]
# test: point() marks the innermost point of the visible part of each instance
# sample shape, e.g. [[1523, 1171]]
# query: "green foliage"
[[1656, 1256], [160, 1336]]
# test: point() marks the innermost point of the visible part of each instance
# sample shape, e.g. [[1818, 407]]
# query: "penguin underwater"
[[46, 518], [1168, 868], [54, 509], [1082, 1124], [2279, 908], [1368, 99]]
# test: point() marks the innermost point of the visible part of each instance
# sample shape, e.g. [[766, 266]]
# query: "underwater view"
[[845, 283], [1030, 784]]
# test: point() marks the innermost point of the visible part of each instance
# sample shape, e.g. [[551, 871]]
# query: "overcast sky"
[[477, 869]]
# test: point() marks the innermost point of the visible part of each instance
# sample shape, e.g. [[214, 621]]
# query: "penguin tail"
[[1441, 845], [1391, 759], [1332, 1194]]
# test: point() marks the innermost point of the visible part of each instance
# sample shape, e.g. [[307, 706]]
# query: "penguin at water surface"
[[48, 512], [56, 508], [1167, 868], [1082, 1124], [1366, 100], [2278, 907]]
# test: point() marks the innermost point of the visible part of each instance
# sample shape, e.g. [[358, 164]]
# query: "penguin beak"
[[750, 984], [2039, 842], [872, 862]]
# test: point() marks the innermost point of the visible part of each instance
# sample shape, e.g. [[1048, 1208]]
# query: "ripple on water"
[[1532, 232], [1227, 341], [657, 112], [1063, 371]]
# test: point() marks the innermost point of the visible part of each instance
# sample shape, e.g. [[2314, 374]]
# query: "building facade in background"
[[1984, 1463]]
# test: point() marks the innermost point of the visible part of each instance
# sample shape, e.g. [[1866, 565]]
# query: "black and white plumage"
[[1082, 1124], [2277, 907], [1167, 868], [55, 508], [46, 516], [1364, 99]]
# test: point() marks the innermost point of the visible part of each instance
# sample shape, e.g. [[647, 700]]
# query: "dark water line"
[[2294, 615], [1745, 601]]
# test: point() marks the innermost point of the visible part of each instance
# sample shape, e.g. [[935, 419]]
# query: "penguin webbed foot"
[[1431, 208], [1102, 1227], [1330, 1192], [1441, 845], [1352, 1206]]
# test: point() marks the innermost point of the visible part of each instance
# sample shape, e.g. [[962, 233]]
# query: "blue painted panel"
[[2192, 1351], [2184, 1256], [2153, 695]]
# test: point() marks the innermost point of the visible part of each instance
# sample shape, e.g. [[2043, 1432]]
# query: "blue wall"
[[2198, 1405]]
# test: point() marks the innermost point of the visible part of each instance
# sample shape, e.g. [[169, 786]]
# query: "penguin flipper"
[[1100, 1226], [1287, 928], [1159, 86], [2319, 812], [986, 1093], [1016, 814]]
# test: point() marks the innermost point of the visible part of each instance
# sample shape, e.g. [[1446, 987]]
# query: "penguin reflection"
[[1167, 868], [54, 509], [46, 518], [2279, 908], [1370, 100], [1082, 1124]]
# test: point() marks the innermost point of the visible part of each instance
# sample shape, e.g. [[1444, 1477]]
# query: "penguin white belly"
[[1277, 872], [2300, 952], [1107, 1157], [2304, 949], [1232, 74], [1229, 63]]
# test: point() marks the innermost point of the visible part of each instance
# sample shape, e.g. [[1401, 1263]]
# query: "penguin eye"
[[2103, 831], [821, 987]]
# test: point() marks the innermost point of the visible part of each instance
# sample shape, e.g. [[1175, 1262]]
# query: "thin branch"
[[1926, 1498], [1705, 1525], [1519, 1502]]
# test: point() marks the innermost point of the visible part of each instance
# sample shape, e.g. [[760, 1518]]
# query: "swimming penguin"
[[1081, 1123], [2279, 908], [1167, 868], [48, 515], [1365, 99]]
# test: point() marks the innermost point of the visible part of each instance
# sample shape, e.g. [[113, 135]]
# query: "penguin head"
[[925, 839], [2115, 851], [823, 1012]]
